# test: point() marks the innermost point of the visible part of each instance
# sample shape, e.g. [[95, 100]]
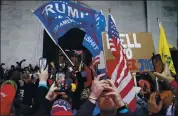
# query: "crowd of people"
[[62, 90]]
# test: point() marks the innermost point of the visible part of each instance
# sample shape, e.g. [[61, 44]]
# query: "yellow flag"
[[164, 49]]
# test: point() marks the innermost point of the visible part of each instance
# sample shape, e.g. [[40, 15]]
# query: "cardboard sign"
[[139, 49]]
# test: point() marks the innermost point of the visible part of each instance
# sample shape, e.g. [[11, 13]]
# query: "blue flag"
[[58, 17], [95, 34], [91, 45]]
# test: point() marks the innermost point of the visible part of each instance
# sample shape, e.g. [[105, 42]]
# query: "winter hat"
[[7, 94], [61, 108], [11, 82], [63, 113]]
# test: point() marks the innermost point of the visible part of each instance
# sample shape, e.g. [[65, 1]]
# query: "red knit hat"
[[7, 94], [61, 108], [63, 113]]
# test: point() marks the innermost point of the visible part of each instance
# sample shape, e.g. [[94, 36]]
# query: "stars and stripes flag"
[[96, 60], [121, 74]]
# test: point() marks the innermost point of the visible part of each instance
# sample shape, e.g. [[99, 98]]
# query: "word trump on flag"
[[58, 17], [69, 9]]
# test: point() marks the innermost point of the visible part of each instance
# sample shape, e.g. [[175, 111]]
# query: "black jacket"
[[88, 107], [45, 108], [38, 101]]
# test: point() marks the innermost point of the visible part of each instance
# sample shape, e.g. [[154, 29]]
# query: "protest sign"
[[139, 49]]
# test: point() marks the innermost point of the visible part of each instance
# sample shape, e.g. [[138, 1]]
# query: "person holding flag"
[[91, 22]]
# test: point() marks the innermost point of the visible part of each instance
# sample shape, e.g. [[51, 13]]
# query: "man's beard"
[[109, 112]]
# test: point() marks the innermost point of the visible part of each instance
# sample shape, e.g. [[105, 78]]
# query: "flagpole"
[[103, 34], [157, 84], [134, 77], [109, 9], [64, 53], [54, 41], [158, 21], [104, 54]]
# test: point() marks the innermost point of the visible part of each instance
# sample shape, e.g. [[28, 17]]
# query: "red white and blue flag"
[[96, 60], [120, 73]]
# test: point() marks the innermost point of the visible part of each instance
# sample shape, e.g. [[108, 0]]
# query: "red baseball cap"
[[7, 94]]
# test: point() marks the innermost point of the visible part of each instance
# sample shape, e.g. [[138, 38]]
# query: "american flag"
[[96, 60], [113, 36], [121, 74]]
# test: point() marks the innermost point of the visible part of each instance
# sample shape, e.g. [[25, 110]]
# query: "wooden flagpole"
[[135, 80], [104, 36]]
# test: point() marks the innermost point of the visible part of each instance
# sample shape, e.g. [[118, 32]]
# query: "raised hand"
[[165, 75], [114, 93], [52, 64], [43, 74], [97, 87], [52, 94], [153, 107]]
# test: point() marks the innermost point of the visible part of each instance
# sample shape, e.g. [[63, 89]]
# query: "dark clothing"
[[68, 75], [45, 108], [24, 97], [41, 93], [9, 74], [17, 100], [76, 102], [29, 92], [1, 73], [39, 98], [87, 110], [141, 106]]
